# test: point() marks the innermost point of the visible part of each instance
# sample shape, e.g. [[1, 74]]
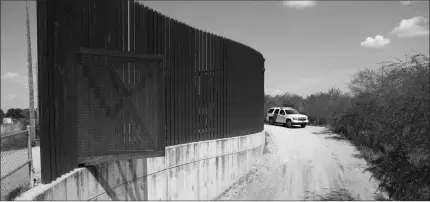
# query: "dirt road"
[[305, 164]]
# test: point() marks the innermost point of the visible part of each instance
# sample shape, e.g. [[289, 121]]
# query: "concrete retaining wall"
[[194, 171]]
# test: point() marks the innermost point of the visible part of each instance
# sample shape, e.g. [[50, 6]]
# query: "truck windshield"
[[291, 111]]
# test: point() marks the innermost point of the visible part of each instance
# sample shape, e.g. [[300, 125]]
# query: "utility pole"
[[30, 75]]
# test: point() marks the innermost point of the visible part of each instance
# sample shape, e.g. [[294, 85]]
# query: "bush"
[[389, 113], [17, 141], [10, 128], [24, 122], [387, 117], [14, 142]]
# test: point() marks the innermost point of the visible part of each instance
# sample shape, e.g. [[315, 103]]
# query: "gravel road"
[[305, 164]]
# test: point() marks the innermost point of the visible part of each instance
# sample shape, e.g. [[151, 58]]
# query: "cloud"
[[299, 4], [406, 2], [416, 26], [10, 97], [272, 92], [377, 42], [15, 77], [10, 76]]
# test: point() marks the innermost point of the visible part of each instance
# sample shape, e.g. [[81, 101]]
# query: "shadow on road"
[[339, 194], [324, 132], [293, 127], [330, 135], [336, 137], [335, 194], [359, 156]]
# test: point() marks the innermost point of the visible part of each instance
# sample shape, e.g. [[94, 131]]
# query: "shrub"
[[390, 114], [387, 117]]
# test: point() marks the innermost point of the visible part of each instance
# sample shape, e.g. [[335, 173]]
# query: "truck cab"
[[286, 116]]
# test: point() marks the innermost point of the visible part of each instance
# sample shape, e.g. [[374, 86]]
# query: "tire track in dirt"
[[303, 163]]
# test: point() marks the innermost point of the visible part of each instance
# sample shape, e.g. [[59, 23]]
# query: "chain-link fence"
[[16, 164]]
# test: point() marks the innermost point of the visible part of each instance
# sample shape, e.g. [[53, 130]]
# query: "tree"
[[2, 115], [26, 113], [292, 100], [15, 113]]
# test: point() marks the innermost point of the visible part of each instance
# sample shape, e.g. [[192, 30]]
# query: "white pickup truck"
[[287, 116]]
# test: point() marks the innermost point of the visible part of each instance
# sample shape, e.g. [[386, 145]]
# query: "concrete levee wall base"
[[194, 171]]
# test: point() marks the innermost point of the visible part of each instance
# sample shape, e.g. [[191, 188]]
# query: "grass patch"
[[380, 197], [336, 137], [341, 194], [367, 154], [324, 132], [14, 142], [335, 194], [17, 192]]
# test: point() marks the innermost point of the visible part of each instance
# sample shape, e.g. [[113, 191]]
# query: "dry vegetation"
[[11, 128], [386, 116]]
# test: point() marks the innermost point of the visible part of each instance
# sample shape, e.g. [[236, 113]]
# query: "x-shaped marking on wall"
[[111, 59]]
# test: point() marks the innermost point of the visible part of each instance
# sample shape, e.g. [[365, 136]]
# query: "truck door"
[[275, 115], [282, 117]]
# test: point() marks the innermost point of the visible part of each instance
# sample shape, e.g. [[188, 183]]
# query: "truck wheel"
[[271, 121], [303, 125], [288, 124]]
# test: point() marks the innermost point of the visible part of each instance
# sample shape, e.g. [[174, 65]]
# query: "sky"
[[309, 46]]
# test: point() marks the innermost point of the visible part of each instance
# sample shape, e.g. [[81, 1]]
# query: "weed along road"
[[305, 164]]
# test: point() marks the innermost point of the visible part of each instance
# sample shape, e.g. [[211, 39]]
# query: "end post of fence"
[[30, 156]]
